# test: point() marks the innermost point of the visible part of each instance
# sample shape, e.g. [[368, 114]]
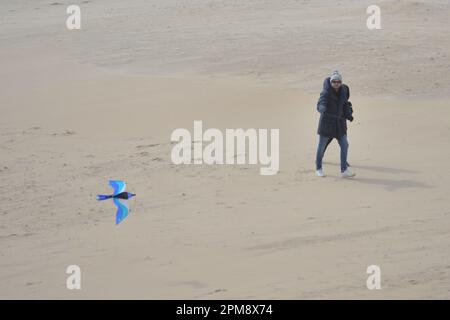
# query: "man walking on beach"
[[335, 110]]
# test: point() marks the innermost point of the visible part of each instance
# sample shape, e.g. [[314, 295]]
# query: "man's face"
[[336, 84]]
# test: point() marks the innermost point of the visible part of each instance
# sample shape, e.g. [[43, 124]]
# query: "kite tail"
[[101, 197]]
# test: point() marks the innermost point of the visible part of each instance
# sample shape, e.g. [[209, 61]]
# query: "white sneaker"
[[347, 173], [320, 173]]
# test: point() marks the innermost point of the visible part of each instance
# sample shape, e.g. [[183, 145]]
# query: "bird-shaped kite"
[[119, 197]]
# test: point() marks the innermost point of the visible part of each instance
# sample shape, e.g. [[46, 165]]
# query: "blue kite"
[[119, 197]]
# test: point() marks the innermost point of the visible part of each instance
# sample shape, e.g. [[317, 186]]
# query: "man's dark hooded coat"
[[335, 110]]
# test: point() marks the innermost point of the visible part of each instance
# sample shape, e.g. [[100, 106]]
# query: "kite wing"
[[122, 210], [118, 186]]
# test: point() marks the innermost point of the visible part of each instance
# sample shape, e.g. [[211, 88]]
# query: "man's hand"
[[321, 108]]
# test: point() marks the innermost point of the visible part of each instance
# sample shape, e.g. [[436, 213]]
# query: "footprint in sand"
[[33, 283], [143, 154], [65, 133], [147, 146], [215, 291]]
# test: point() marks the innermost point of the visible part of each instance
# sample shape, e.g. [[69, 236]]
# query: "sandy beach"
[[81, 107]]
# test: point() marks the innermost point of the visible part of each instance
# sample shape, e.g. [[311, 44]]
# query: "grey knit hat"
[[335, 76]]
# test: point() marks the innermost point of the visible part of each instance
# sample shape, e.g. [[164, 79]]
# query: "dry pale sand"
[[81, 107]]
